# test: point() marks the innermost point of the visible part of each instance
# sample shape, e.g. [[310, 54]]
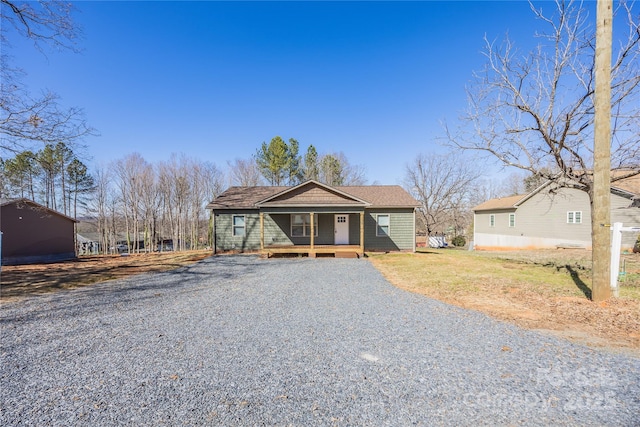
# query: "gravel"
[[238, 340]]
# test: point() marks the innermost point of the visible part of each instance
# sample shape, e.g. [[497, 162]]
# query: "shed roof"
[[5, 202]]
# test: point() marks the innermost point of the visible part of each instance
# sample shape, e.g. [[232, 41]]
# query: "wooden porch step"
[[340, 254]]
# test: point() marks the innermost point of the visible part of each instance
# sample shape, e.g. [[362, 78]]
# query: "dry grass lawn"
[[21, 280], [546, 290]]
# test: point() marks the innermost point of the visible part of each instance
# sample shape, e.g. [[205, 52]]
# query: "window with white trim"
[[383, 223], [238, 225], [492, 220], [512, 220], [574, 217], [301, 225]]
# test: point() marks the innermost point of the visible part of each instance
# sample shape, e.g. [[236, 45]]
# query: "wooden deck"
[[338, 251]]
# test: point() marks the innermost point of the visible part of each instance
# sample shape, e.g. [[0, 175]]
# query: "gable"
[[311, 194]]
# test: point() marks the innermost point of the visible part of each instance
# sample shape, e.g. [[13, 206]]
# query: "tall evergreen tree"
[[278, 162], [81, 184], [18, 175], [295, 173], [48, 162], [311, 170]]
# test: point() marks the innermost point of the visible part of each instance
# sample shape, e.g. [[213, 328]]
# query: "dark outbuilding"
[[33, 233]]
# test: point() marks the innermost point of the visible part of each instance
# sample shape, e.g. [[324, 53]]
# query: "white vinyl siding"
[[238, 225], [383, 224], [574, 217]]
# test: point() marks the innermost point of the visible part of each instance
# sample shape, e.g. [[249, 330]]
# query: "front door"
[[341, 229]]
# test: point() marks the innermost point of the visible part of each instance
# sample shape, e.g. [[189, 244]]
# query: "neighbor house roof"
[[371, 195], [632, 184], [629, 186], [500, 203]]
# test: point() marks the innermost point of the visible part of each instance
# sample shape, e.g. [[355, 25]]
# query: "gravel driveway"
[[236, 340]]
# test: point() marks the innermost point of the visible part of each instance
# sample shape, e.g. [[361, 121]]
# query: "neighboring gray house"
[[551, 217], [32, 233], [314, 218]]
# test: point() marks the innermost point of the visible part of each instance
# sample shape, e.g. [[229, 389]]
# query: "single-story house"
[[552, 217], [314, 218], [33, 233], [88, 243]]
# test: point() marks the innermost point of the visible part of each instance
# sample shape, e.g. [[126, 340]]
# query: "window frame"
[[235, 227], [574, 217], [306, 225], [379, 227], [512, 220], [492, 220]]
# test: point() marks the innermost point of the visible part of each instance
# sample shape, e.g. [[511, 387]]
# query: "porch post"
[[261, 231], [362, 232], [312, 230]]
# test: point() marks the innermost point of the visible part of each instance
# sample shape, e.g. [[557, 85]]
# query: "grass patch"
[[449, 272], [536, 289]]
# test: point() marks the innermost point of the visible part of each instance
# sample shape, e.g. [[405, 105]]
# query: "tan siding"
[[483, 224], [545, 215], [541, 221]]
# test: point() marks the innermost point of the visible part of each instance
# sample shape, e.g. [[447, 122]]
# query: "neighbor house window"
[[512, 220], [383, 223], [301, 225], [492, 220], [238, 225], [574, 217]]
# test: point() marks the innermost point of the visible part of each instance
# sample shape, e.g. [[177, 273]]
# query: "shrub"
[[459, 241]]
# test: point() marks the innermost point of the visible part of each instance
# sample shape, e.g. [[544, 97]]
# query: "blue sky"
[[213, 80]]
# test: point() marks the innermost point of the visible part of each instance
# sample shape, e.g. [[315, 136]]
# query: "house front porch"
[[338, 251], [307, 240]]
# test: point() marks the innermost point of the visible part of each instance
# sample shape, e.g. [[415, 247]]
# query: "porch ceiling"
[[293, 209]]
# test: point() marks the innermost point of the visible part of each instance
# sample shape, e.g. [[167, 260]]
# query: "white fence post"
[[616, 245]]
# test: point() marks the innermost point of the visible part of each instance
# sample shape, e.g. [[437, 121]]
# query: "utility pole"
[[601, 209]]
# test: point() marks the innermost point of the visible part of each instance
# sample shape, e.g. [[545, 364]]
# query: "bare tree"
[[443, 185], [244, 173], [24, 118], [131, 174], [100, 208], [514, 184], [536, 110]]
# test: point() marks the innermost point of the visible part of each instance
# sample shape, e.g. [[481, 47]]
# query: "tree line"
[[144, 206], [53, 176]]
